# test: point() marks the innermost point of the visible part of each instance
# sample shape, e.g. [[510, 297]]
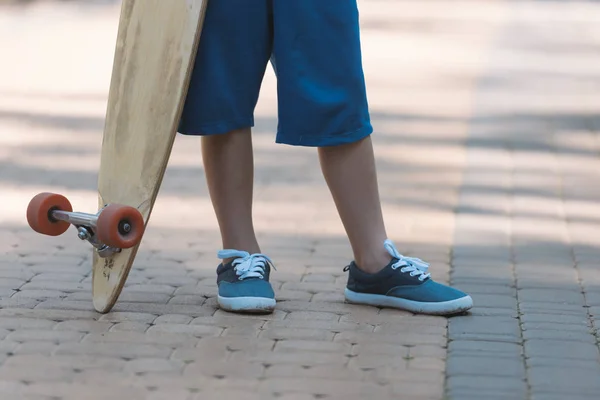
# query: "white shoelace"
[[247, 265], [415, 266]]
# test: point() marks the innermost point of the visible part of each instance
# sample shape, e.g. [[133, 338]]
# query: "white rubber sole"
[[247, 304], [442, 308]]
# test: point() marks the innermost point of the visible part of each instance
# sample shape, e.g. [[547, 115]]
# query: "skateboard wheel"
[[39, 213], [120, 226]]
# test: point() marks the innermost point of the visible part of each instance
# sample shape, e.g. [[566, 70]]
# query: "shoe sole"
[[247, 304], [439, 308]]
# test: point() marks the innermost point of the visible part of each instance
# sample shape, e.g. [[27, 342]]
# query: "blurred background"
[[486, 117]]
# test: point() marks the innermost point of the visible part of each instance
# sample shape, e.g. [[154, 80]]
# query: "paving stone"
[[290, 295], [98, 391], [415, 327], [48, 315], [404, 376], [143, 365], [365, 315], [568, 363], [487, 289], [313, 315], [192, 330], [35, 347], [44, 335], [53, 304], [159, 309], [484, 328], [495, 300], [323, 387], [292, 357], [240, 370], [229, 322], [318, 346], [426, 363], [127, 317], [557, 396], [84, 326], [143, 297], [553, 308], [154, 337], [172, 318], [581, 381], [14, 323], [12, 283], [375, 348], [296, 333], [484, 348], [310, 287], [593, 298], [368, 362], [563, 319], [294, 305], [149, 288], [405, 339], [7, 347], [130, 327], [63, 286], [39, 295], [34, 373], [317, 371], [576, 336], [494, 312], [512, 387], [332, 326], [188, 300], [494, 395], [318, 278], [561, 349], [221, 348], [481, 366], [555, 295], [580, 327], [45, 277], [114, 349]]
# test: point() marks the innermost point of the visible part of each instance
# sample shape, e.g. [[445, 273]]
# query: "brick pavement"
[[524, 242], [488, 154]]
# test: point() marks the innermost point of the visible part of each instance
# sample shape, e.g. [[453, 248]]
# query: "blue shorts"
[[314, 48]]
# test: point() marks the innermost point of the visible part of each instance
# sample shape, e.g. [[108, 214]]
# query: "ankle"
[[373, 263], [249, 246]]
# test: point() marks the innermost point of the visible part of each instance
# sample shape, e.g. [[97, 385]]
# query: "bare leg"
[[350, 173], [229, 167]]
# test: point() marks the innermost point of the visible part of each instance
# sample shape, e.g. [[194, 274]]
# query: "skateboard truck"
[[113, 228], [86, 225]]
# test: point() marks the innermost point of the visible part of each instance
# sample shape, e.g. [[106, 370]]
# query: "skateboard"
[[155, 49]]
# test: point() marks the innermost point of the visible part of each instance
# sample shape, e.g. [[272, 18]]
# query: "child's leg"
[[233, 54], [357, 200], [229, 169], [323, 103]]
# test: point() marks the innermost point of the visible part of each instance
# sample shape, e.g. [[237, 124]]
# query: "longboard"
[[155, 50]]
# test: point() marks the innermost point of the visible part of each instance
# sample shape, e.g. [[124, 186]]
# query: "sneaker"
[[244, 282], [405, 284]]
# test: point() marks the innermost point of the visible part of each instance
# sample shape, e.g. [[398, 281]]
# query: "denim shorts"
[[314, 48]]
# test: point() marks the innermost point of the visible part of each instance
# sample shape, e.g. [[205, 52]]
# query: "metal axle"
[[86, 229], [76, 218]]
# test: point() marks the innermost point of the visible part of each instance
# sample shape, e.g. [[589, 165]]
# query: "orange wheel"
[[39, 217], [120, 226]]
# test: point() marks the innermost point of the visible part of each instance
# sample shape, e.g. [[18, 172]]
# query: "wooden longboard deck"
[[156, 46]]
